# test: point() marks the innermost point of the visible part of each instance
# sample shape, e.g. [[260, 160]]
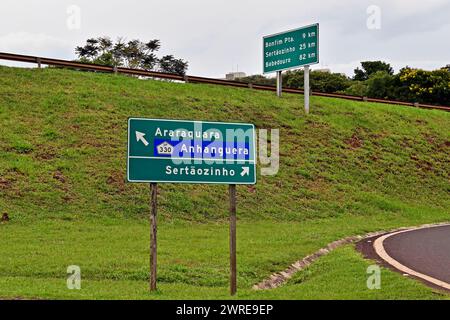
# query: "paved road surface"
[[426, 251]]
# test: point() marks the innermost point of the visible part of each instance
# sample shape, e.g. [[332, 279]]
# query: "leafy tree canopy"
[[371, 67], [129, 54], [319, 81], [258, 79]]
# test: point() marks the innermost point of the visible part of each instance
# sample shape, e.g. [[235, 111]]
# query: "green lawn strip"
[[343, 275], [340, 275], [189, 253]]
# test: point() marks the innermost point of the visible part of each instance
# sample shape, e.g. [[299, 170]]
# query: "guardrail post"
[[416, 104], [365, 99], [115, 69], [186, 79], [250, 85], [38, 61]]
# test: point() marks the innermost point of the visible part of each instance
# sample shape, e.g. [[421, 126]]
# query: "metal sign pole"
[[233, 268], [279, 83], [153, 236], [306, 89]]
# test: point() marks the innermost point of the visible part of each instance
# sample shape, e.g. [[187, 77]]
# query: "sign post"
[[279, 83], [233, 262], [153, 235], [306, 91], [172, 151], [290, 50]]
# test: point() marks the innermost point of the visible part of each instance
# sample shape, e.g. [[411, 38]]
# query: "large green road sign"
[[190, 152], [291, 49]]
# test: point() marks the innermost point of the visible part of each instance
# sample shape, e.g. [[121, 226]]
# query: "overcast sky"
[[218, 36]]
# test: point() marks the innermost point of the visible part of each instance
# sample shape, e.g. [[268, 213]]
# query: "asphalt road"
[[424, 250]]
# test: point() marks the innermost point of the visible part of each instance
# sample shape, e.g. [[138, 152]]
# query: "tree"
[[371, 67], [380, 85], [319, 81], [258, 79], [129, 54], [89, 51], [416, 85], [357, 88], [170, 64]]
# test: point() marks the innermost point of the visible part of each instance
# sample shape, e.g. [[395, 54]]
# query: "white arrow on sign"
[[140, 137], [245, 171]]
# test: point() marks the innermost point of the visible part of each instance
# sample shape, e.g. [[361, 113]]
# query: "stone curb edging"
[[278, 279]]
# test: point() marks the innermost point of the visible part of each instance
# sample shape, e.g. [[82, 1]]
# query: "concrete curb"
[[278, 279], [381, 252]]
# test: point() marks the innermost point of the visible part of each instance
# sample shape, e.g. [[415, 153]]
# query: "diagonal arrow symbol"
[[245, 171], [140, 137]]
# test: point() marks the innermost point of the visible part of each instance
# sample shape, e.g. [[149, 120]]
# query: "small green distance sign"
[[176, 151], [291, 49]]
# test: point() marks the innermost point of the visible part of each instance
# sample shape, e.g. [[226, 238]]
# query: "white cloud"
[[34, 44], [216, 36], [412, 7]]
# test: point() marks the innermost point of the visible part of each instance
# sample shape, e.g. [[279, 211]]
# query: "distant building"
[[324, 70], [235, 75]]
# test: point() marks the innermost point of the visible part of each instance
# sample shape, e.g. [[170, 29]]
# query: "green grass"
[[192, 262], [347, 168]]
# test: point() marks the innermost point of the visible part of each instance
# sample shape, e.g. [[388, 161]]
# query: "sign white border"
[[192, 182], [302, 65]]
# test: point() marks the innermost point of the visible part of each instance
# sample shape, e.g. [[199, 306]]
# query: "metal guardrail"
[[193, 79]]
